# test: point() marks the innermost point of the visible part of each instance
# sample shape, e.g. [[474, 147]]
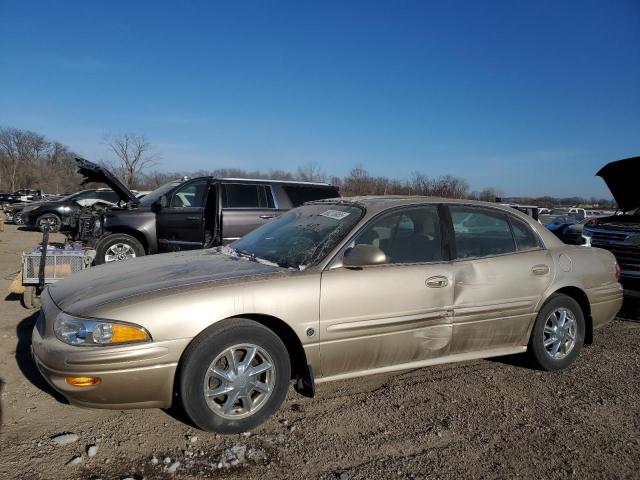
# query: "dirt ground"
[[482, 419]]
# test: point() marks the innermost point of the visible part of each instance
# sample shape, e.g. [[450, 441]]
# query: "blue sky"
[[529, 97]]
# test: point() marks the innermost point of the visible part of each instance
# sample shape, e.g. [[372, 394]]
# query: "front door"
[[180, 224], [396, 313]]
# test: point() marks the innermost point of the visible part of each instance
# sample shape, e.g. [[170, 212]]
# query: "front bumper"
[[132, 376]]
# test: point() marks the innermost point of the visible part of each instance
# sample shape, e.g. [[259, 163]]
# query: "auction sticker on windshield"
[[335, 214]]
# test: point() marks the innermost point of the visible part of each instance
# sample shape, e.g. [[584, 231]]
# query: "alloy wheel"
[[239, 381], [119, 252], [559, 333]]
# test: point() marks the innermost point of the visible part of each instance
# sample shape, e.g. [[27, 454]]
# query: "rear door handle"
[[540, 270], [193, 219], [265, 217], [437, 282]]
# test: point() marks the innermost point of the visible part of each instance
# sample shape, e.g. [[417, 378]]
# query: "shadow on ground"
[[24, 360], [12, 297], [631, 307]]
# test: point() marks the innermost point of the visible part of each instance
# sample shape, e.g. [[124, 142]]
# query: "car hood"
[[622, 177], [95, 173], [84, 292]]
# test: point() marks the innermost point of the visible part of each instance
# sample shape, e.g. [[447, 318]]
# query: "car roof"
[[377, 203], [267, 180]]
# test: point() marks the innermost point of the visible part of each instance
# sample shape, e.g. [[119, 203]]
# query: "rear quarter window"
[[526, 239], [299, 194]]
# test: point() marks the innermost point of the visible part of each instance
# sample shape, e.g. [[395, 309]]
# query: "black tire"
[[536, 349], [117, 238], [30, 298], [201, 353], [54, 221]]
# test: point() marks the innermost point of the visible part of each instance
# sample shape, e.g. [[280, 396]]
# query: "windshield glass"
[[301, 237], [154, 196]]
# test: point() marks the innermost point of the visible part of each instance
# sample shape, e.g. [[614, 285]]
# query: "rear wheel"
[[117, 248], [234, 376], [558, 334], [51, 219]]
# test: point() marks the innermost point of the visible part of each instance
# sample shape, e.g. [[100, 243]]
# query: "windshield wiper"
[[246, 254], [252, 256]]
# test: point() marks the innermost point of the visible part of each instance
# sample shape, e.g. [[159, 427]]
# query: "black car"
[[58, 214], [186, 214], [620, 234]]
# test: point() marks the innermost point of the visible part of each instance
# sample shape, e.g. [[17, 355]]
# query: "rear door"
[[245, 207], [397, 313], [501, 272], [180, 224]]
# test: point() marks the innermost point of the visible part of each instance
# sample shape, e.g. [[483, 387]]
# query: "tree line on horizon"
[[30, 160]]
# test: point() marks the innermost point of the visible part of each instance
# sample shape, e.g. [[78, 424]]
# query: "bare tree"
[[311, 172], [21, 152], [134, 155]]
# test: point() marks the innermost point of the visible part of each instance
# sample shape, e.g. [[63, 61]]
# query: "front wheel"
[[51, 220], [558, 333], [118, 247], [234, 376]]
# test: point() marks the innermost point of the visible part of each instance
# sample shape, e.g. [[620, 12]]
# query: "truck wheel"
[[117, 248], [30, 298], [50, 219]]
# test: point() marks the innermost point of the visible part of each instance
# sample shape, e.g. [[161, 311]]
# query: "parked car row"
[[23, 195]]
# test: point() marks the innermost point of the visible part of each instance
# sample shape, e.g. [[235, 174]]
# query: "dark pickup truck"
[[620, 234], [185, 214]]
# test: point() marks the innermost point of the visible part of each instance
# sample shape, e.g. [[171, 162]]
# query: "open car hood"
[[622, 178], [95, 173]]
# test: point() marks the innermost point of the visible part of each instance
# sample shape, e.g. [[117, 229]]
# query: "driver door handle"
[[265, 217], [438, 281]]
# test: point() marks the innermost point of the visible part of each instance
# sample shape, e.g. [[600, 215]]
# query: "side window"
[[238, 195], [525, 238], [481, 233], [190, 195], [299, 194], [88, 194], [108, 196], [408, 236]]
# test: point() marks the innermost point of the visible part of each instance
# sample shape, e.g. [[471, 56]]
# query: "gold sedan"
[[335, 289]]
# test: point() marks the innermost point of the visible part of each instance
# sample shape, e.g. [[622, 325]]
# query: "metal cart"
[[49, 263]]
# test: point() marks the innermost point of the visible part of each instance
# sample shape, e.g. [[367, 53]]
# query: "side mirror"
[[363, 255], [159, 204]]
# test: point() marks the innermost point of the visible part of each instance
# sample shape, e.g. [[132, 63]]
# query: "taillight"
[[618, 271]]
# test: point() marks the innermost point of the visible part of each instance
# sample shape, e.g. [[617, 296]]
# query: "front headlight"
[[84, 331]]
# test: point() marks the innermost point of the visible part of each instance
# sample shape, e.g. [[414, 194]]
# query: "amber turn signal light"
[[83, 381], [126, 333]]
